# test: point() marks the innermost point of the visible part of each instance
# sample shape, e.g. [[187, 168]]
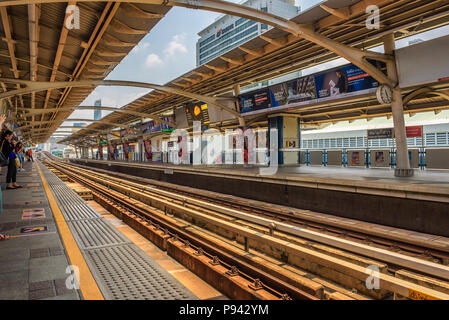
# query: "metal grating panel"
[[122, 270], [96, 233], [128, 275]]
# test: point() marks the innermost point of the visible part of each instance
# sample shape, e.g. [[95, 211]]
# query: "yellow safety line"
[[88, 285]]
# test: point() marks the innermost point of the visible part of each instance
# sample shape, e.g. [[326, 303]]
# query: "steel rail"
[[390, 257], [387, 282], [226, 258]]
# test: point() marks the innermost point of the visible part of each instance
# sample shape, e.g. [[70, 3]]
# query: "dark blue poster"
[[345, 79], [166, 127], [151, 126], [257, 100]]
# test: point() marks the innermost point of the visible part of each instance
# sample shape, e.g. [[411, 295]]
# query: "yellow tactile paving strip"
[[88, 285]]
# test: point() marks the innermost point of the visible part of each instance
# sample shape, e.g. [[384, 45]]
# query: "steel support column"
[[397, 109]]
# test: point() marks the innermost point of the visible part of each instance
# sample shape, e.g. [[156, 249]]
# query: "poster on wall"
[[345, 79], [355, 161], [379, 158], [111, 150], [100, 151], [126, 150], [148, 151], [157, 157]]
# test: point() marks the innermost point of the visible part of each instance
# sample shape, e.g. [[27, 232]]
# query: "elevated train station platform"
[[419, 203], [55, 235]]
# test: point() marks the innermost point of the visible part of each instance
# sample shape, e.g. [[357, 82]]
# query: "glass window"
[[321, 143], [339, 143], [206, 41], [441, 138], [352, 142], [430, 139], [206, 57], [226, 36], [360, 142]]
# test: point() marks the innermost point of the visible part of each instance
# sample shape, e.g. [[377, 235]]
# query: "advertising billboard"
[[297, 90], [333, 83], [255, 100], [166, 127], [157, 126], [197, 112], [345, 79]]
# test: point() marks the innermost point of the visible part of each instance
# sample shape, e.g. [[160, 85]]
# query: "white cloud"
[[176, 45], [152, 60]]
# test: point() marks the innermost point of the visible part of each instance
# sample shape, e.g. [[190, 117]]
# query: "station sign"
[[385, 133], [414, 132]]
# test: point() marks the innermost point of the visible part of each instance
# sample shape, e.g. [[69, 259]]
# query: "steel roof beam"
[[120, 110], [34, 123], [34, 86], [354, 55]]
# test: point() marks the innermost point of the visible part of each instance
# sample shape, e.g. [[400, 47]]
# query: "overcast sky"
[[168, 51]]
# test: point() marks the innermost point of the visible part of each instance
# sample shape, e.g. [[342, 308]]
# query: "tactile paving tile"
[[121, 269], [130, 275], [75, 208], [96, 233]]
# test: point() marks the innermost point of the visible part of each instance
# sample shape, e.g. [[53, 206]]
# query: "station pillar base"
[[289, 138], [404, 172]]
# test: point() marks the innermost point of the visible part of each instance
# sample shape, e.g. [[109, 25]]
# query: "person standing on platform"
[[8, 151], [30, 154], [19, 153], [2, 120]]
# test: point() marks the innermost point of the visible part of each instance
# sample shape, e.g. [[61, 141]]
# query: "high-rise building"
[[228, 32], [97, 113], [78, 125]]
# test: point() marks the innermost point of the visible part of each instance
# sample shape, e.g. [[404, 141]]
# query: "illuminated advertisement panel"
[[343, 80], [197, 112], [335, 83]]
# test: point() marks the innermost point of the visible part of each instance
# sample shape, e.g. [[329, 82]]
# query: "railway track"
[[350, 229], [273, 227], [388, 241]]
